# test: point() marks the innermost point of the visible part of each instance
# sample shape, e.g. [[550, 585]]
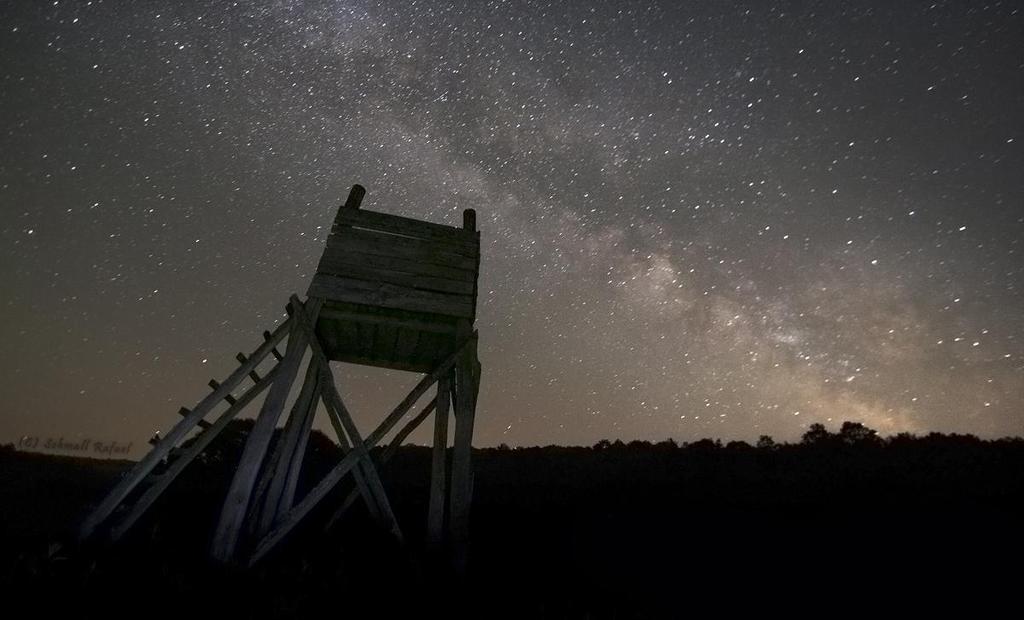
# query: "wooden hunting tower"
[[389, 291]]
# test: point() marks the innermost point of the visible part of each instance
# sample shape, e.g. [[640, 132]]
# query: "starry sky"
[[699, 219]]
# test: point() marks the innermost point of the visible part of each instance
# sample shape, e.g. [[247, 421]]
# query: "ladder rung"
[[203, 424], [277, 354], [227, 397], [255, 376]]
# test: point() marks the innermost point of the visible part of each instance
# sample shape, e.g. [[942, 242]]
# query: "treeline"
[[617, 529]]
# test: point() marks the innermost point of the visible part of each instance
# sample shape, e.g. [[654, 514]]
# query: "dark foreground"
[[836, 523]]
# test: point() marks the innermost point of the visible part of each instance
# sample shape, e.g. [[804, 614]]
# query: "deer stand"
[[390, 292]]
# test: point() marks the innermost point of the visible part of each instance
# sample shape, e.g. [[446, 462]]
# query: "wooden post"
[[287, 456], [355, 197], [467, 373], [438, 469], [236, 504]]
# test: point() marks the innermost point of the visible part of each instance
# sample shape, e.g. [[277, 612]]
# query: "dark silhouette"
[[614, 530]]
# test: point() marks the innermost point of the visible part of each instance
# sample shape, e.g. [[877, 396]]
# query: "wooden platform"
[[395, 289]]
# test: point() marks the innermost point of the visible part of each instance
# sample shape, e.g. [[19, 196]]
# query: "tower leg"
[[438, 466], [236, 504], [279, 478], [467, 381]]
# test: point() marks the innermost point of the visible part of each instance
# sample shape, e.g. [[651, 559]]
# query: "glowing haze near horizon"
[[698, 219]]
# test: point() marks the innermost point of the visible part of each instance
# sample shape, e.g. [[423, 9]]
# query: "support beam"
[[187, 423], [467, 378], [359, 472], [438, 469], [421, 388], [236, 503], [296, 514], [389, 452], [284, 458]]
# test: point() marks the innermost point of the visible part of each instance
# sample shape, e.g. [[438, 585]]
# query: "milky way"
[[697, 219]]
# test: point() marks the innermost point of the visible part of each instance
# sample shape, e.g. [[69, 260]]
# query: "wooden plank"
[[436, 505], [383, 244], [361, 271], [348, 357], [277, 354], [283, 458], [295, 468], [359, 473], [296, 514], [384, 345], [365, 333], [400, 225], [188, 455], [346, 319], [432, 347], [338, 254], [184, 411], [151, 460], [391, 296], [255, 376], [467, 374], [236, 503], [405, 344]]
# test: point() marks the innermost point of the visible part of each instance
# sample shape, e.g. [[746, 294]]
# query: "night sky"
[[698, 219]]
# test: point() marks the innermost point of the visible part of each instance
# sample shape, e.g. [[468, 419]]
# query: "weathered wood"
[[338, 254], [355, 198], [148, 462], [385, 456], [383, 244], [296, 514], [431, 347], [277, 354], [405, 344], [399, 225], [283, 457], [255, 376], [352, 358], [184, 411], [384, 344], [187, 455], [362, 271], [298, 455], [236, 503], [436, 505], [391, 296], [359, 473], [228, 398], [366, 333], [306, 321], [328, 314], [467, 374]]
